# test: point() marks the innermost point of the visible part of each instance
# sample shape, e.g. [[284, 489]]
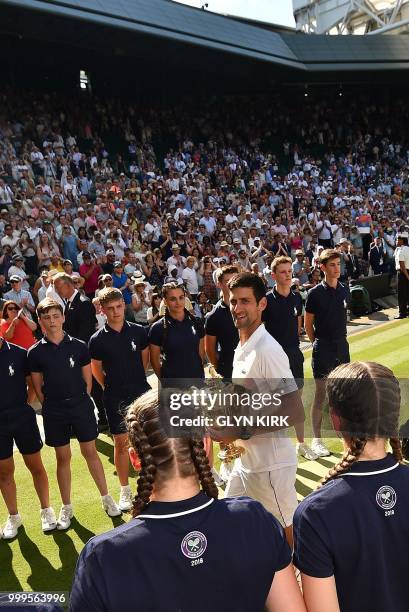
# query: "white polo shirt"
[[190, 276], [262, 362], [402, 254]]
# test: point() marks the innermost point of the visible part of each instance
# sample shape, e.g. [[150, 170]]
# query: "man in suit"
[[377, 256], [81, 323], [352, 263], [79, 312]]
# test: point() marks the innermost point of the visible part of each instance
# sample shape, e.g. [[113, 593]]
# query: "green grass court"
[[34, 561]]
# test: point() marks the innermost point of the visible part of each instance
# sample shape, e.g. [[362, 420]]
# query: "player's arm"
[[309, 325], [31, 394], [98, 372], [154, 356], [285, 593], [210, 343], [87, 376], [202, 349], [320, 594], [145, 358], [37, 379]]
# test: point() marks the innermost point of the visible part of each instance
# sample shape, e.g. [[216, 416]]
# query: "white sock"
[[125, 488]]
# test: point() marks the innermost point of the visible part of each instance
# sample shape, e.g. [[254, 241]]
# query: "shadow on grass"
[[68, 556], [116, 521], [329, 464], [8, 579], [302, 488], [43, 577], [106, 449], [82, 532], [309, 475]]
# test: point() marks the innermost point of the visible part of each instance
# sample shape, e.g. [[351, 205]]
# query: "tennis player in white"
[[266, 471]]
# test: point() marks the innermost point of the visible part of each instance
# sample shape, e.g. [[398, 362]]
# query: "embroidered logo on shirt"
[[11, 370], [295, 311], [72, 362], [133, 345], [386, 497], [345, 303], [194, 544]]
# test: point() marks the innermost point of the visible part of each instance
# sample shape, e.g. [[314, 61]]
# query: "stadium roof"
[[166, 21]]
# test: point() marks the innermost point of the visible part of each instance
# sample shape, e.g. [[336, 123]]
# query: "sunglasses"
[[13, 282], [11, 308]]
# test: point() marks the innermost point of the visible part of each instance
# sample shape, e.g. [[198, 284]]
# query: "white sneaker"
[[65, 516], [305, 451], [48, 519], [319, 448], [110, 506], [125, 499], [11, 527]]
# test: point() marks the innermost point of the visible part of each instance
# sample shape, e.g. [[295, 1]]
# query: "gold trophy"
[[229, 451]]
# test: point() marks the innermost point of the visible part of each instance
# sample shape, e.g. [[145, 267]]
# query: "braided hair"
[[162, 457], [366, 398]]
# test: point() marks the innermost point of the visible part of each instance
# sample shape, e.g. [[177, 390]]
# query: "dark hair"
[[48, 304], [228, 269], [248, 280], [167, 321], [366, 398], [161, 456], [6, 305], [328, 255], [154, 297]]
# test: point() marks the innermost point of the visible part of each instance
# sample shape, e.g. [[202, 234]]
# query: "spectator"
[[80, 320], [16, 327], [90, 271], [22, 297]]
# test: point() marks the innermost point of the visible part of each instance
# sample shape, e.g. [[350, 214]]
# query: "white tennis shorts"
[[275, 490]]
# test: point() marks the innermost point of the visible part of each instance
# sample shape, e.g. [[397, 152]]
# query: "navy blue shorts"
[[115, 409], [327, 355], [64, 418], [20, 426], [296, 359]]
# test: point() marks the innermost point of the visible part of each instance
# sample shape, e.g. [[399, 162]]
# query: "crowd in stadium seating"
[[102, 189]]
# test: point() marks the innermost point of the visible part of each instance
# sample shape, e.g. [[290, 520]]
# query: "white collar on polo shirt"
[[388, 469], [254, 338], [164, 516]]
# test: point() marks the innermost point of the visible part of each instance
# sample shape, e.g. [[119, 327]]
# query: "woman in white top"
[[140, 302]]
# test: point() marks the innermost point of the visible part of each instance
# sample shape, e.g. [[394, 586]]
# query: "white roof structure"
[[352, 16]]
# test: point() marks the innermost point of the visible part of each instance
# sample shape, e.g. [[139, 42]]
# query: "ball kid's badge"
[[194, 544]]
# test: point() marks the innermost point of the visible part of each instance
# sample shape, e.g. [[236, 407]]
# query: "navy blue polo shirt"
[[13, 372], [180, 347], [356, 528], [61, 366], [329, 307], [219, 323], [281, 318], [198, 554], [120, 353]]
